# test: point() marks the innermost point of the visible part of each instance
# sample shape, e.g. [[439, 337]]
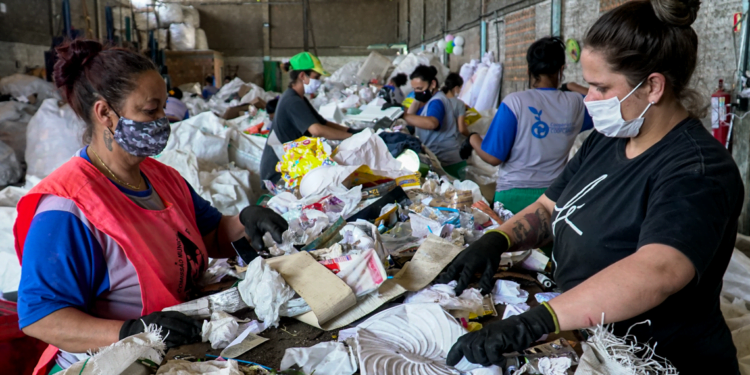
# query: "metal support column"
[[305, 25], [557, 18]]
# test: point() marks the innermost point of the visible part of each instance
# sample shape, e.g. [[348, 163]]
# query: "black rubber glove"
[[515, 334], [564, 87], [466, 148], [258, 220], [481, 256], [353, 131], [391, 105], [176, 327]]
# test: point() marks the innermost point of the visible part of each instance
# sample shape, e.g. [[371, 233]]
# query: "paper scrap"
[[325, 358], [247, 340]]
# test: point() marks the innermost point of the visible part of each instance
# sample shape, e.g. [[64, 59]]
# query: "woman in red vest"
[[112, 237]]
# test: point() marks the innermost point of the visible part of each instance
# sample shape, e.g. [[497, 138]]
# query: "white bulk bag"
[[201, 43], [245, 151], [490, 93], [190, 16], [22, 85], [145, 21], [478, 83], [182, 37], [169, 13], [159, 34], [205, 135], [52, 137], [10, 168]]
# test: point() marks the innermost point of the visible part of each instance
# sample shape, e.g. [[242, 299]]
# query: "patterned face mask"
[[142, 138]]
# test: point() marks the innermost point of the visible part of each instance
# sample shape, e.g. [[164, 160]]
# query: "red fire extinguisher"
[[721, 113]]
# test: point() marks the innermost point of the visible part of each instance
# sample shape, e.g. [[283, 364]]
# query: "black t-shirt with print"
[[685, 192]]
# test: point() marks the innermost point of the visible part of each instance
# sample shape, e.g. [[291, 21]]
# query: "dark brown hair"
[[426, 73], [640, 37], [294, 74], [451, 82], [87, 71]]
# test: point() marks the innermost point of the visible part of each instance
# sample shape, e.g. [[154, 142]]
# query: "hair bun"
[[72, 58], [680, 13]]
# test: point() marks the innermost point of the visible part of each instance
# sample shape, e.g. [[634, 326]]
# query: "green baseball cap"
[[306, 61]]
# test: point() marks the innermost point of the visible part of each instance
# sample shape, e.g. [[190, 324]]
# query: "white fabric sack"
[[145, 21], [265, 290], [374, 67], [116, 358], [169, 13], [182, 37], [467, 70], [476, 88], [185, 162], [195, 104], [53, 136], [118, 17], [490, 92], [205, 135], [23, 85], [14, 118], [201, 42], [325, 358], [181, 367], [347, 74], [190, 16], [10, 268], [245, 151], [162, 37], [227, 190], [10, 168]]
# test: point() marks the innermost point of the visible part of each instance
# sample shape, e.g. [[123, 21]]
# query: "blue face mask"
[[142, 138]]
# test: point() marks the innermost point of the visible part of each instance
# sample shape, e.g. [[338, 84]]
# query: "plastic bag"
[[201, 42], [52, 137], [374, 67], [190, 16], [227, 190], [301, 156], [221, 330], [181, 367], [169, 13], [182, 37], [470, 301], [347, 74], [265, 290]]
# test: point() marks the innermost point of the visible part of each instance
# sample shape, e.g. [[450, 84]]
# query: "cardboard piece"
[[234, 112], [325, 292], [332, 309]]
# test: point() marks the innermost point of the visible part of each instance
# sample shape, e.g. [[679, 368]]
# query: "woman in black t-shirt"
[[643, 218]]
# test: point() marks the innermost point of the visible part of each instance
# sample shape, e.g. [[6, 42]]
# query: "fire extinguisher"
[[721, 109]]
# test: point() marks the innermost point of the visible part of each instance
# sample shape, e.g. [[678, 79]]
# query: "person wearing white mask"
[[644, 217], [295, 116]]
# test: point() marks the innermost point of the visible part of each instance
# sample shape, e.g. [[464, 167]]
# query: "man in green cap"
[[295, 116]]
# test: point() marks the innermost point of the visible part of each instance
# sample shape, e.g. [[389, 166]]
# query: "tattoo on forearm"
[[531, 231], [107, 139]]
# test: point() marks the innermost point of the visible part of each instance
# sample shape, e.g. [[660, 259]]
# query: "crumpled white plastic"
[[509, 293], [325, 358], [205, 135], [23, 86], [221, 330], [265, 290], [367, 148], [181, 367], [469, 301], [518, 309]]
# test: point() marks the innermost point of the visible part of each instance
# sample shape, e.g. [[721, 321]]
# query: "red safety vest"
[[165, 247]]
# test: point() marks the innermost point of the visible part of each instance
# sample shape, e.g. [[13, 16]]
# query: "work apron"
[[165, 247]]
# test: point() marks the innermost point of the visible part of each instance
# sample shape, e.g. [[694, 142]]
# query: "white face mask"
[[607, 117], [312, 86]]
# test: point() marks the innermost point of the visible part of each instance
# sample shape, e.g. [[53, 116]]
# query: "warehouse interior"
[[339, 187]]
